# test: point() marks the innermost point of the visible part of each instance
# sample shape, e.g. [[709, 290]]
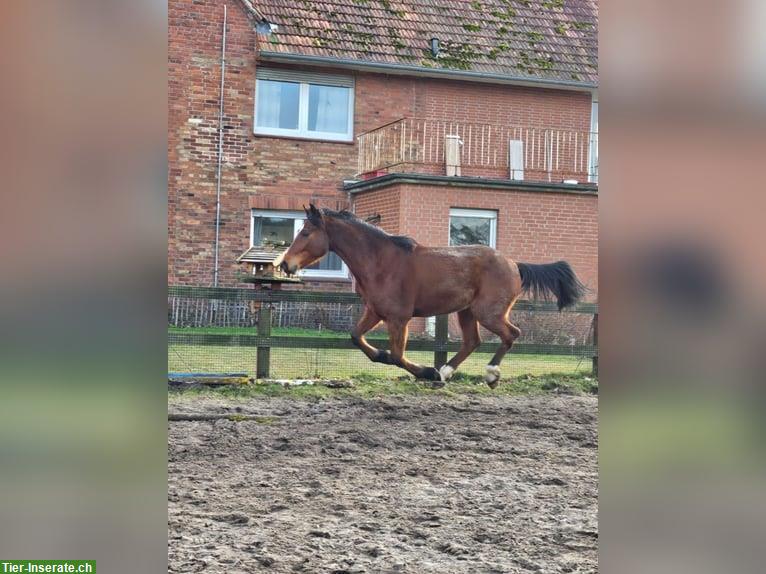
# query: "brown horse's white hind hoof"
[[492, 376], [446, 372]]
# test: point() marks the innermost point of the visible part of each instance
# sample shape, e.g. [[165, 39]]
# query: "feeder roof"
[[261, 254]]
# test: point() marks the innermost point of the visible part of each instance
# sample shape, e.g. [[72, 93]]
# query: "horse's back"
[[473, 258], [450, 278]]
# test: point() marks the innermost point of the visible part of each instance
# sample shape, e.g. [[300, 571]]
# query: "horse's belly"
[[442, 303]]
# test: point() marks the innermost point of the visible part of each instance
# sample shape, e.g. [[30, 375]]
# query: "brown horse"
[[398, 279]]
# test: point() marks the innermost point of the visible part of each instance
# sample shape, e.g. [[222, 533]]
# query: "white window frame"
[[303, 111], [298, 218], [478, 213]]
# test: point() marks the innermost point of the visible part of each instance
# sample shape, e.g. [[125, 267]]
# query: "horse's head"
[[309, 246]]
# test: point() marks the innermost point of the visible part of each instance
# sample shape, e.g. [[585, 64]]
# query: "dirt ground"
[[491, 484]]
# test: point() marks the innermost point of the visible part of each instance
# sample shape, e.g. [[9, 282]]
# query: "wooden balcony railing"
[[412, 145]]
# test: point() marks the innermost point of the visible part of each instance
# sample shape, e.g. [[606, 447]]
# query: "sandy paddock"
[[421, 485]]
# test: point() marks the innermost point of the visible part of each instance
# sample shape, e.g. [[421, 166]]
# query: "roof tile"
[[532, 39]]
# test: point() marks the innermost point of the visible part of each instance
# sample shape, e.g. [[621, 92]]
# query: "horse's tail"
[[542, 281]]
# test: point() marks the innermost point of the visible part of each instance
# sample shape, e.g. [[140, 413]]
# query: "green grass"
[[345, 363], [341, 363], [367, 386]]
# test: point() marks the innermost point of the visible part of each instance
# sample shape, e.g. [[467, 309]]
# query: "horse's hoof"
[[446, 372], [492, 376], [383, 357], [430, 374]]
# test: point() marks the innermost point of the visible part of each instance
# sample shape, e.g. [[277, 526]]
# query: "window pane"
[[330, 262], [278, 104], [272, 229], [469, 230], [328, 109]]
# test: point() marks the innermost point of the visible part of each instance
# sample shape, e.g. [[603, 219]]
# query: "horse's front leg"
[[397, 335], [369, 321]]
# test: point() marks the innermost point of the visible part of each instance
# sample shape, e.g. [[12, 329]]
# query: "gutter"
[[473, 182], [403, 69]]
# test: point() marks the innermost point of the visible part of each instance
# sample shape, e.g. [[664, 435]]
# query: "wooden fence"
[[263, 340]]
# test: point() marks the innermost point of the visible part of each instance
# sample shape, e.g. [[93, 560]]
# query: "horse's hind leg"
[[397, 335], [470, 328], [508, 333]]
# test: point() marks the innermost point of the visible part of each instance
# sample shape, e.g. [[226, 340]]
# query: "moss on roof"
[[546, 39]]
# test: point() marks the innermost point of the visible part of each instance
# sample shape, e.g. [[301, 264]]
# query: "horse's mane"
[[402, 241]]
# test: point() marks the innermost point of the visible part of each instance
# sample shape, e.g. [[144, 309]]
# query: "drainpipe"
[[352, 205], [220, 154]]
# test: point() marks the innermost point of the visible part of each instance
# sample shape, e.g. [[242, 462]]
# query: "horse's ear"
[[314, 215]]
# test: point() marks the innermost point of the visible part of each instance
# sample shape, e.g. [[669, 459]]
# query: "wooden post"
[[441, 334], [263, 353], [516, 158], [595, 344], [452, 154]]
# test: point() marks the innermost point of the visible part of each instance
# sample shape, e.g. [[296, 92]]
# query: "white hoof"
[[492, 376], [446, 372]]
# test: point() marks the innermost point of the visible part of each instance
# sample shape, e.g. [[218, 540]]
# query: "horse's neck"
[[357, 249]]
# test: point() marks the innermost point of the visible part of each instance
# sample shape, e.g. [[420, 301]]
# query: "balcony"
[[523, 153]]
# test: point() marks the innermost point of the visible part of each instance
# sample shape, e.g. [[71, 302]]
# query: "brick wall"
[[282, 173], [194, 50], [384, 202], [474, 102]]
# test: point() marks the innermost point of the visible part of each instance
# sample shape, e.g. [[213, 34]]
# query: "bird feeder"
[[259, 264]]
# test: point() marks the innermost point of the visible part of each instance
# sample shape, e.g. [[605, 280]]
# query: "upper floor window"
[[302, 104], [472, 227], [278, 226]]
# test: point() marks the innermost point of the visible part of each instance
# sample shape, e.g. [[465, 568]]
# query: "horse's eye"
[[305, 234]]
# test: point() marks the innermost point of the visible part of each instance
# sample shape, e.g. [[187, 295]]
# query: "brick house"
[[470, 122]]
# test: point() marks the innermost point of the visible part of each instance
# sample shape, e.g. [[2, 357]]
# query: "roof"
[[533, 40], [261, 254]]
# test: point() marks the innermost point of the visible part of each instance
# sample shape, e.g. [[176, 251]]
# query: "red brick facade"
[[281, 173]]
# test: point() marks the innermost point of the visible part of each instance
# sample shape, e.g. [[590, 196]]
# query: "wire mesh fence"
[[301, 334]]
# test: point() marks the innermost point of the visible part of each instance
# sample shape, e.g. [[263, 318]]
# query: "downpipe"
[[220, 155]]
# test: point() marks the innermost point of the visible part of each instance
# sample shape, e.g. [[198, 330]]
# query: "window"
[[278, 105], [302, 104], [472, 227], [284, 226]]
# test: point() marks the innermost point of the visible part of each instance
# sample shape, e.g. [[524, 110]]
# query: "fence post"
[[595, 344], [263, 353], [441, 333]]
